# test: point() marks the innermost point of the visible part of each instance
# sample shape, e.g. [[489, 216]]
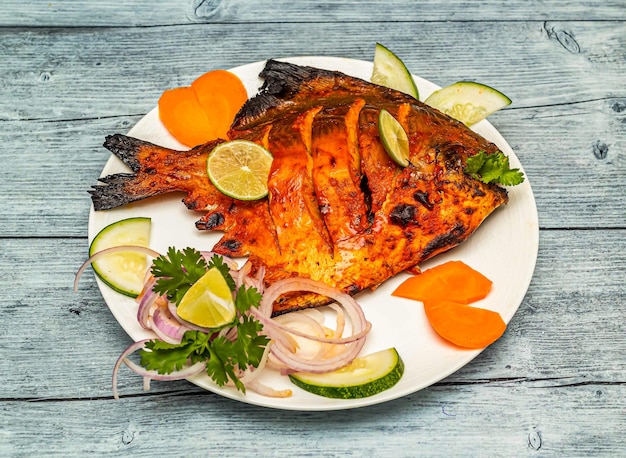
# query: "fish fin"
[[157, 170], [115, 192], [122, 188], [125, 148]]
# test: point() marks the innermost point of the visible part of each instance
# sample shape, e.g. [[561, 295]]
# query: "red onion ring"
[[157, 313], [353, 344], [147, 304], [167, 327]]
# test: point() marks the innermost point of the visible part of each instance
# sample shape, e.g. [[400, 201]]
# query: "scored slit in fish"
[[339, 210]]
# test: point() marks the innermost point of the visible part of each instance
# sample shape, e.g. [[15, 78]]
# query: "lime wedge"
[[394, 138], [467, 101], [209, 302], [240, 169], [122, 271], [390, 71]]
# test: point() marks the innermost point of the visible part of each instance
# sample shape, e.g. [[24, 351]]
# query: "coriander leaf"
[[224, 357], [474, 163], [246, 298], [493, 168], [511, 177], [176, 272], [221, 365], [218, 262], [250, 344], [166, 358]]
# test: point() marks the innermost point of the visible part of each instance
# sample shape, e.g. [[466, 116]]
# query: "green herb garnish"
[[493, 168], [177, 271], [175, 274]]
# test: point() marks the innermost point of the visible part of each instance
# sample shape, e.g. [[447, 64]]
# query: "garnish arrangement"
[[211, 316]]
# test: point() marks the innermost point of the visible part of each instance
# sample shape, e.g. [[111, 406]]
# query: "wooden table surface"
[[74, 71]]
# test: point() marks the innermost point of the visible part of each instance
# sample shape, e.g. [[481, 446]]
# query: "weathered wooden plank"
[[50, 165], [74, 13], [73, 71], [567, 331], [70, 74], [574, 157], [477, 420]]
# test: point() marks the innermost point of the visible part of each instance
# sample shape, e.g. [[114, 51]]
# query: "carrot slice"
[[205, 110], [453, 281], [221, 95], [464, 325], [183, 117]]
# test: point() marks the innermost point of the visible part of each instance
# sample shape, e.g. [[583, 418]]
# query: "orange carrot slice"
[[453, 281], [183, 117], [221, 94], [464, 325], [205, 110]]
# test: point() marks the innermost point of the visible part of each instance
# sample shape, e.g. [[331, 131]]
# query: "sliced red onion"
[[361, 330], [352, 344], [147, 304], [241, 274], [340, 320], [265, 390], [167, 327], [116, 368]]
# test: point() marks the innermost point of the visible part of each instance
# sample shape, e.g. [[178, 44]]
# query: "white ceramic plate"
[[504, 248]]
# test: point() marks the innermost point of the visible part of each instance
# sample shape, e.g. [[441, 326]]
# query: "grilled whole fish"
[[338, 210]]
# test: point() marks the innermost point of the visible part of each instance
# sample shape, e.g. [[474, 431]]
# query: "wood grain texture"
[[82, 86], [433, 422], [66, 344], [105, 72], [73, 71], [126, 13]]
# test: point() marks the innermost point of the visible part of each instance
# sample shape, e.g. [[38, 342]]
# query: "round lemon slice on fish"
[[240, 169]]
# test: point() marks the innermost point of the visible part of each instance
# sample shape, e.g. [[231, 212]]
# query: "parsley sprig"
[[175, 273], [493, 168]]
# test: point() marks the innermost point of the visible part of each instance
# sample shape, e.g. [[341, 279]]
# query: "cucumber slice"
[[467, 101], [122, 271], [390, 71], [365, 376]]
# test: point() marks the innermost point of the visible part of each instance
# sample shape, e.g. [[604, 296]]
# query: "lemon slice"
[[240, 169], [394, 138], [123, 271], [209, 302], [467, 101], [390, 71]]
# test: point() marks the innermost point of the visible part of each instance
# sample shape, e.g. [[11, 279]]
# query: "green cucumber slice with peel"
[[122, 271], [390, 71], [467, 101], [365, 376]]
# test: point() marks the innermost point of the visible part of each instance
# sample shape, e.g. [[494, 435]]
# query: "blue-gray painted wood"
[[72, 72]]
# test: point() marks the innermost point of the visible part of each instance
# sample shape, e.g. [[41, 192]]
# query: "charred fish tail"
[[113, 194], [122, 188], [125, 148]]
